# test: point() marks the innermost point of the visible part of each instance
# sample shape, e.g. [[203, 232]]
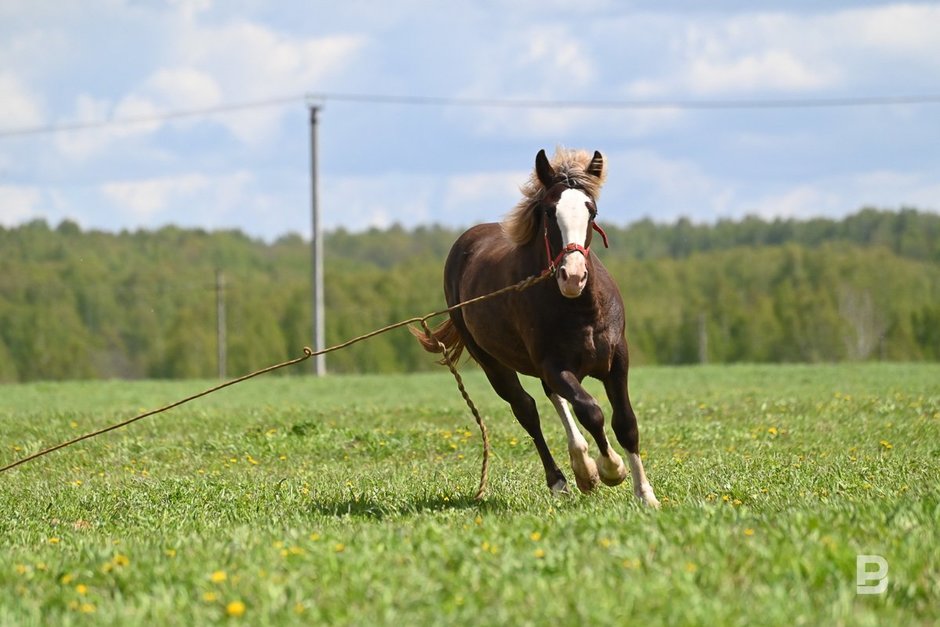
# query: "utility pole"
[[316, 246], [702, 339], [220, 320]]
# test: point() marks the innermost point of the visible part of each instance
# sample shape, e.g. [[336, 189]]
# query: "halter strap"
[[570, 248]]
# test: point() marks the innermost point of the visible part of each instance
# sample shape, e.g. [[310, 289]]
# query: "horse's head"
[[568, 222]]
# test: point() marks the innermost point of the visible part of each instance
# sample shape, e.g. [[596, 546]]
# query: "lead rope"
[[484, 471], [308, 353]]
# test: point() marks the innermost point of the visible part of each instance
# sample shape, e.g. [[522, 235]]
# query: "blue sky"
[[67, 62]]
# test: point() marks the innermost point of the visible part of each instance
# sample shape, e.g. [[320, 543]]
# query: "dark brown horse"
[[559, 331]]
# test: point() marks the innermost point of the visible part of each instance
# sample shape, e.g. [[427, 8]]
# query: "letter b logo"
[[869, 581]]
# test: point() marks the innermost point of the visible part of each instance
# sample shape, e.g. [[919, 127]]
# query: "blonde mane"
[[522, 222]]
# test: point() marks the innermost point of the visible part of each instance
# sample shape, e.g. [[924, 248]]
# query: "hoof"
[[612, 469], [647, 497], [585, 471], [560, 487]]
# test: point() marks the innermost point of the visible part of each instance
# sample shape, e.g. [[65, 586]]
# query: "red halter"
[[570, 248]]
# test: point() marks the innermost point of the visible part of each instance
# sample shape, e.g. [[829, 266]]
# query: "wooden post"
[[316, 245], [220, 321]]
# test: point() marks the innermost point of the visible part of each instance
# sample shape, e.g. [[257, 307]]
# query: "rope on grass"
[[307, 354]]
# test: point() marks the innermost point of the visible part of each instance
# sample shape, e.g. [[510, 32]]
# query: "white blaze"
[[573, 218]]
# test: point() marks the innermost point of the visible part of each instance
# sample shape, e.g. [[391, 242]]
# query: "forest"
[[80, 304]]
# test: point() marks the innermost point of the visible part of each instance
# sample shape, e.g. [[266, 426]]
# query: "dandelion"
[[54, 540], [314, 536], [210, 597], [539, 553], [339, 547], [478, 520], [886, 445], [235, 608], [86, 608], [82, 589], [604, 542], [690, 567], [535, 536], [170, 552], [749, 532], [121, 560], [772, 430], [22, 569], [252, 460], [299, 608], [218, 576]]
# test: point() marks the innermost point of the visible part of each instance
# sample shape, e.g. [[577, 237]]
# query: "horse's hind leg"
[[506, 384], [565, 384], [585, 469], [625, 424]]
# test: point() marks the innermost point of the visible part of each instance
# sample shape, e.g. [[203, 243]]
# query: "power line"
[[511, 103], [492, 103]]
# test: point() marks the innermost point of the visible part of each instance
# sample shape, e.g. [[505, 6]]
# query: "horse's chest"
[[587, 346]]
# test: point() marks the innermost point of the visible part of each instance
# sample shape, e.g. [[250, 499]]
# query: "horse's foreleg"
[[585, 469], [506, 384], [565, 384], [625, 424]]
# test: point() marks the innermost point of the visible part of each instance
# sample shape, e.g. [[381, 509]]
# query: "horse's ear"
[[544, 170], [596, 167]]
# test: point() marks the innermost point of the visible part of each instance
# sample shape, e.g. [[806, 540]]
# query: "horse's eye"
[[592, 208]]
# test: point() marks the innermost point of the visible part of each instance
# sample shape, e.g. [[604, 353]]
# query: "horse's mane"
[[522, 222]]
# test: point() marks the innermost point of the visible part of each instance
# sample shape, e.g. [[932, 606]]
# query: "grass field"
[[348, 500]]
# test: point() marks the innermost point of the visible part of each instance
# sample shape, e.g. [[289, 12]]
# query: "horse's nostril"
[[563, 274]]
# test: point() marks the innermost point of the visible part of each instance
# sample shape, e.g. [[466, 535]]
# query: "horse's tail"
[[445, 334]]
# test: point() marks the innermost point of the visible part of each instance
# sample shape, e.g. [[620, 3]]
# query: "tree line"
[[142, 304]]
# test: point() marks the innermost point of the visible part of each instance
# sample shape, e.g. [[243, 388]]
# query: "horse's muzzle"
[[572, 275]]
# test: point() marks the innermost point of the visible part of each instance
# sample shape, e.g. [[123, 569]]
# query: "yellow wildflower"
[[218, 576], [235, 608]]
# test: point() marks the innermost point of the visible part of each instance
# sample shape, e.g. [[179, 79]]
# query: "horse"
[[557, 331]]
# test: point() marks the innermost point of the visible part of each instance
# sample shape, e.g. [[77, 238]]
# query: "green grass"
[[348, 500]]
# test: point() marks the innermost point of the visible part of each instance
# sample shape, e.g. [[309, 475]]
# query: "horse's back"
[[475, 255]]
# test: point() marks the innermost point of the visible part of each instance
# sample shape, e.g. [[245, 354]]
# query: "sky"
[[380, 163]]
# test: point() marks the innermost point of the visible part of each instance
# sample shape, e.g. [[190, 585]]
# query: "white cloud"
[[18, 203], [645, 183], [360, 202], [145, 200], [19, 107], [247, 61], [483, 196]]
